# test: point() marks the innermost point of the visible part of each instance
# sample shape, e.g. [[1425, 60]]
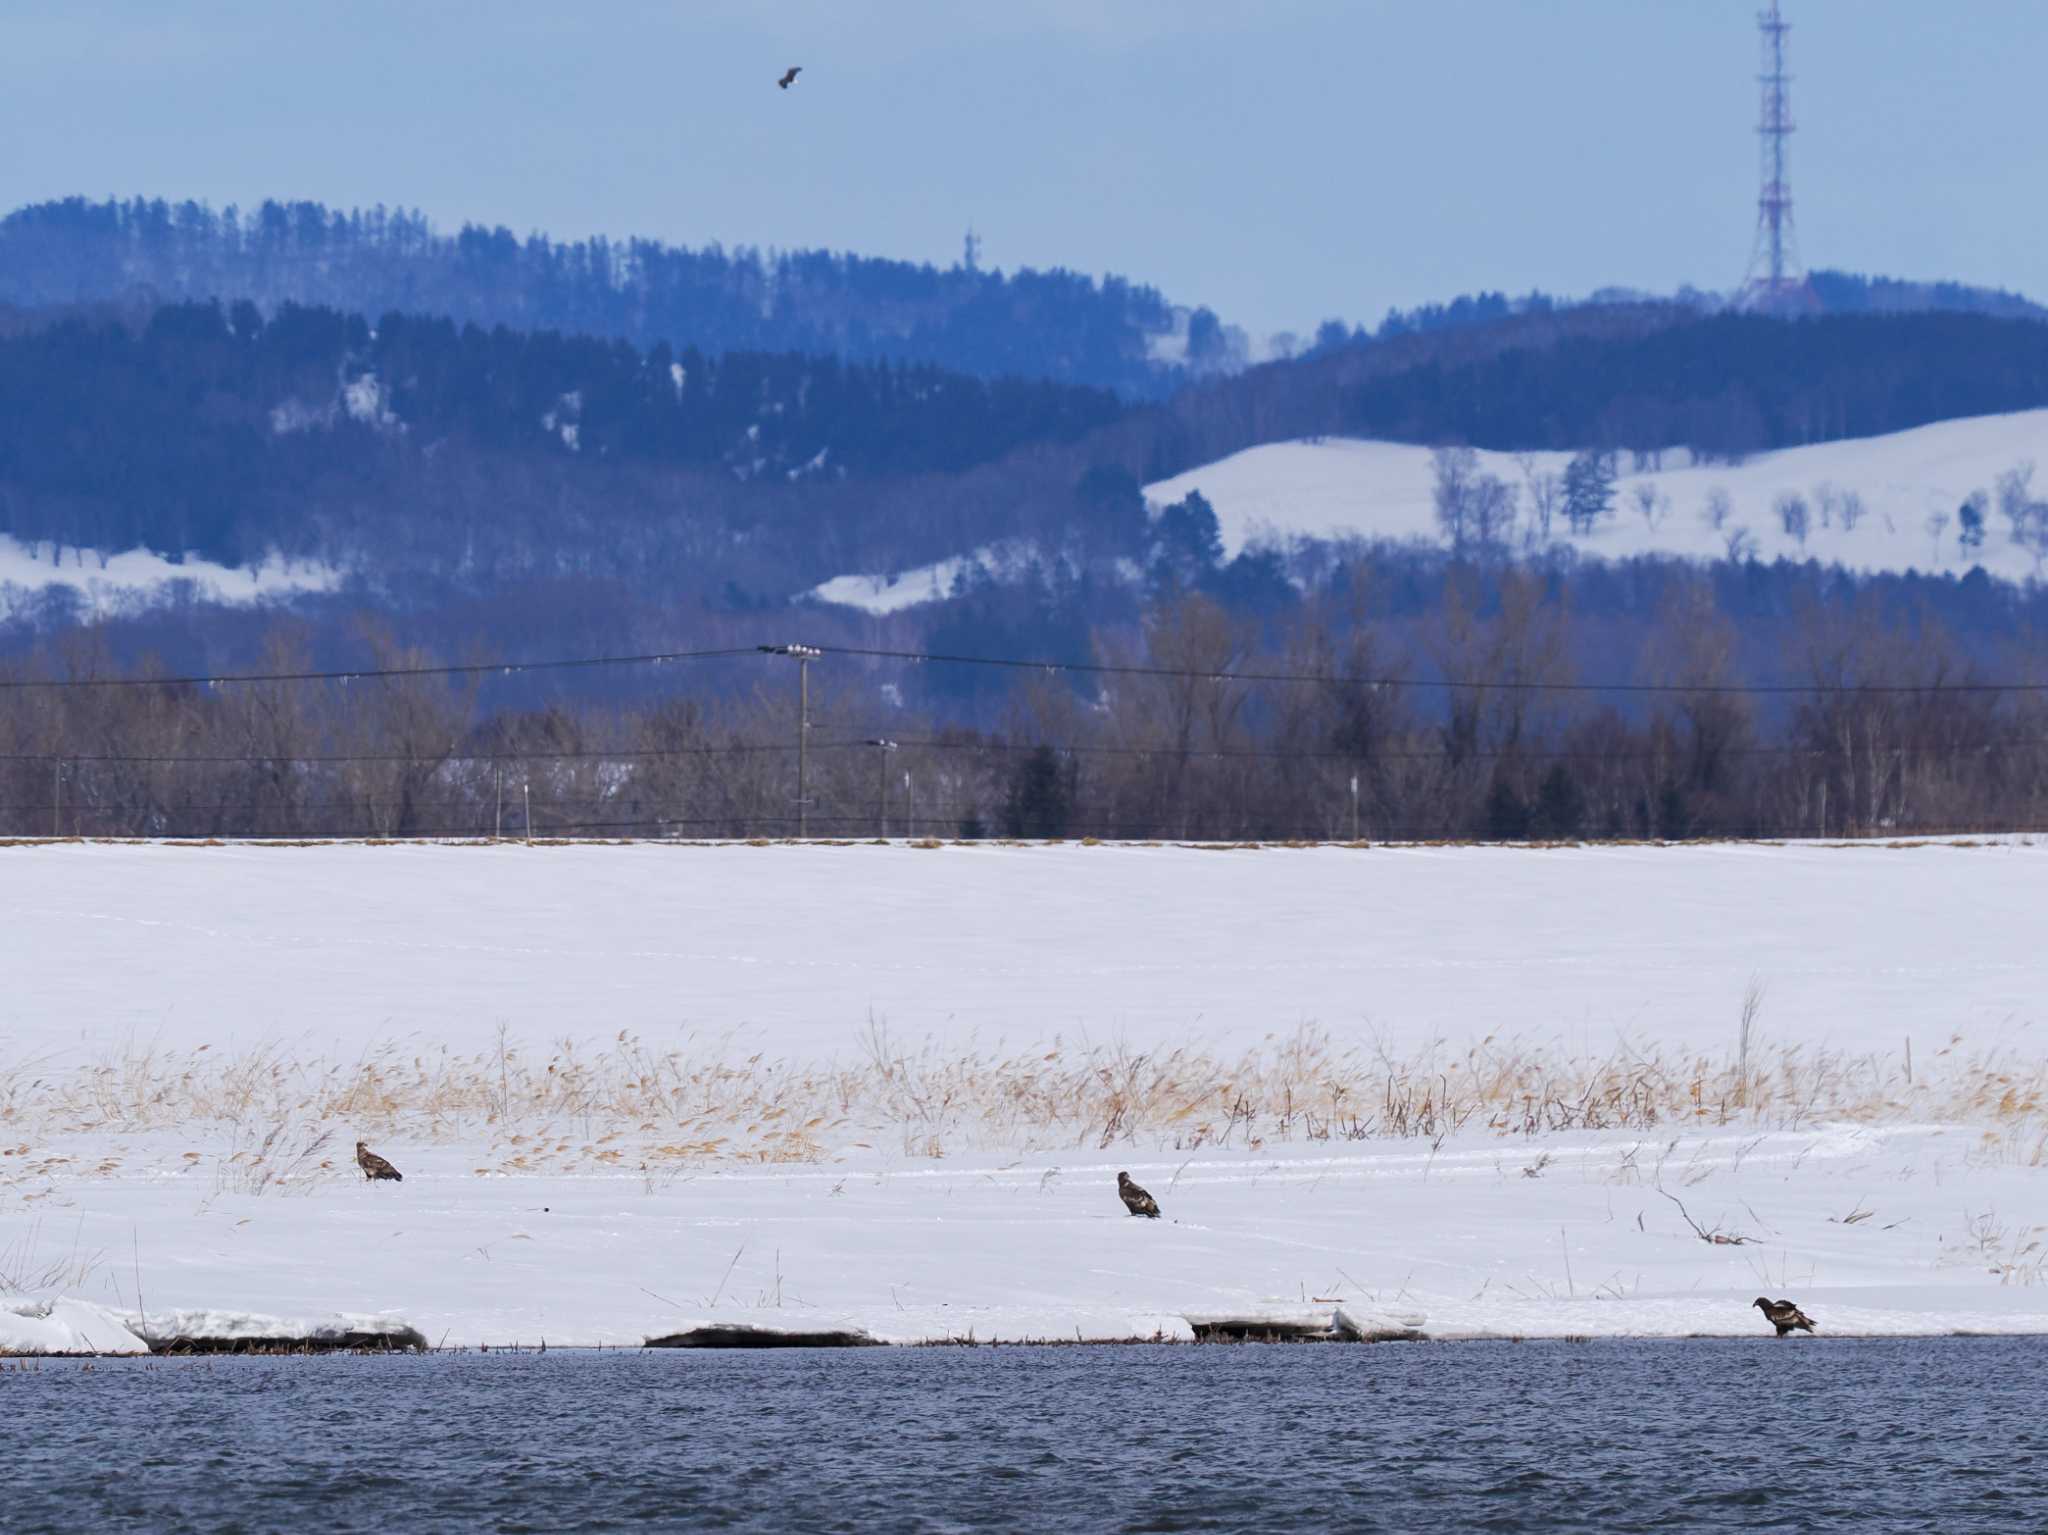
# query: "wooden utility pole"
[[882, 750], [803, 655]]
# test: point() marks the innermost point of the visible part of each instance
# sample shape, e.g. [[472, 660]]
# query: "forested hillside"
[[1055, 325], [195, 429], [1724, 386], [427, 458], [499, 496], [1638, 377]]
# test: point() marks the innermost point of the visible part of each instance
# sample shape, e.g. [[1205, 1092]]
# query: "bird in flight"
[[789, 76], [375, 1167], [1135, 1199], [1783, 1315]]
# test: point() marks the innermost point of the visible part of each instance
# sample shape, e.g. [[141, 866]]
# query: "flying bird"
[[375, 1167], [789, 76], [1784, 1316], [1135, 1199]]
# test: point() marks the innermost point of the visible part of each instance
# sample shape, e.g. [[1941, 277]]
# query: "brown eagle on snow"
[[789, 76], [1783, 1315], [1135, 1199], [375, 1167]]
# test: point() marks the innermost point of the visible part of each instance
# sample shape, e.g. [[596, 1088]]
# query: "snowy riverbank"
[[902, 1113], [1876, 1231]]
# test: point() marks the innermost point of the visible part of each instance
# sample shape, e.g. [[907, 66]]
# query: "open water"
[[1946, 1434]]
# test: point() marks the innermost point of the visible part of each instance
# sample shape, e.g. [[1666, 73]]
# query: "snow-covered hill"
[[1872, 504], [110, 583], [1339, 487]]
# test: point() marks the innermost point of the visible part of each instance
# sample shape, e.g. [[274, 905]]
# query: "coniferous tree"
[[1040, 797], [1588, 490]]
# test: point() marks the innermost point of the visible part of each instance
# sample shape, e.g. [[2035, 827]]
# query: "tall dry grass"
[[628, 1103]]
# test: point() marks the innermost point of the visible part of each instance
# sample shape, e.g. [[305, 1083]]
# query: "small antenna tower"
[[1776, 283]]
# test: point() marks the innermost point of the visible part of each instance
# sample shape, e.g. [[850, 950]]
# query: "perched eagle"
[[1135, 1199], [789, 76], [375, 1167], [1784, 1316]]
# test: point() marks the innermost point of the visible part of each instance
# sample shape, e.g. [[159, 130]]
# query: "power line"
[[1364, 758], [1054, 666], [1488, 685], [335, 758], [375, 673]]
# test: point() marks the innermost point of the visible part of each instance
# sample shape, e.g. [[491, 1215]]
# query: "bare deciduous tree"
[[1794, 516], [1653, 505]]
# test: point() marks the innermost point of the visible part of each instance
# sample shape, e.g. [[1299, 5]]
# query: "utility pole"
[[803, 655], [882, 750], [909, 807], [57, 798], [1354, 807], [498, 810]]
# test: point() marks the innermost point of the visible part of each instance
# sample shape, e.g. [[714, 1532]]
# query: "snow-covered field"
[[1338, 487], [1332, 488], [635, 1089], [109, 583]]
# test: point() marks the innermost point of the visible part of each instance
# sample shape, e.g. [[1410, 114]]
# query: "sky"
[[1282, 161]]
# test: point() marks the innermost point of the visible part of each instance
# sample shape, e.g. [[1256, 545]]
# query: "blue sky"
[[1282, 161]]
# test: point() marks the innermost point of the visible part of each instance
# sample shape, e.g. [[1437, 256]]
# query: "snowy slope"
[[112, 582], [1336, 487], [1343, 488], [899, 590], [191, 1040]]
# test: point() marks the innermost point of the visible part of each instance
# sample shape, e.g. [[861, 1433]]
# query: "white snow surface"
[[793, 949], [892, 593], [58, 1325], [117, 582], [1894, 1224], [1342, 487]]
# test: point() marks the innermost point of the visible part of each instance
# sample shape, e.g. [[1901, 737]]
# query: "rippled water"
[[1947, 1435]]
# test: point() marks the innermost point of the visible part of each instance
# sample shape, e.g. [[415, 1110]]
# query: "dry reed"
[[629, 1104]]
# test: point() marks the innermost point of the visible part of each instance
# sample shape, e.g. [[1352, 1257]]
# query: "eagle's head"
[[1122, 1179], [1761, 1304]]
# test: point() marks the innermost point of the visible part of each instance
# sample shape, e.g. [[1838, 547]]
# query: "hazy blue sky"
[[1282, 160]]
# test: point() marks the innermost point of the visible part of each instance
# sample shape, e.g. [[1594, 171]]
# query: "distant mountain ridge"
[[1061, 326]]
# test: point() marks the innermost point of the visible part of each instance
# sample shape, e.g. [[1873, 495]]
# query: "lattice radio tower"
[[1776, 282]]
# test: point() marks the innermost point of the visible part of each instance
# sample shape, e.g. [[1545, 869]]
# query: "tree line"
[[1725, 386], [1487, 724]]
